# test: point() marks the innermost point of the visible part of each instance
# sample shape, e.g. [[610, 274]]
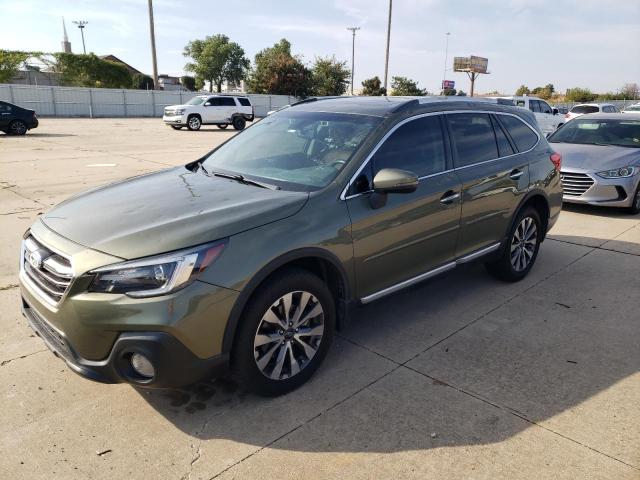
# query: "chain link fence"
[[50, 101]]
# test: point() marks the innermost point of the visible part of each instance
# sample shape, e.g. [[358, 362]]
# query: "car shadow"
[[605, 212], [455, 354]]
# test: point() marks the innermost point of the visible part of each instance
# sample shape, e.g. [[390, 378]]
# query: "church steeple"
[[66, 44]]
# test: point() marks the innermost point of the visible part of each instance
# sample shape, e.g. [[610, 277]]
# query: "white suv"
[[547, 117], [220, 110], [584, 108]]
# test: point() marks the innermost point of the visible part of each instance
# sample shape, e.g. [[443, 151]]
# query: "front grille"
[[49, 271], [52, 337], [575, 184]]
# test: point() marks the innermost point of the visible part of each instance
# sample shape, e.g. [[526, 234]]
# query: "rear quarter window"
[[521, 134], [244, 102]]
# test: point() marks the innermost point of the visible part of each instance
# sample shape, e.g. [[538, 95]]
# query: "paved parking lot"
[[461, 377]]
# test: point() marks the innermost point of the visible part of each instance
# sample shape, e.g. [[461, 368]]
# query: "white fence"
[[106, 102]]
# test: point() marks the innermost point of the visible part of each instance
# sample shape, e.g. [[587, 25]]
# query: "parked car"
[[601, 160], [585, 108], [546, 116], [250, 257], [220, 110], [632, 108], [15, 120]]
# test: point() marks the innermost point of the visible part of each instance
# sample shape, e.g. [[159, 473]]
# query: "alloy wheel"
[[194, 122], [288, 335], [18, 127], [523, 244]]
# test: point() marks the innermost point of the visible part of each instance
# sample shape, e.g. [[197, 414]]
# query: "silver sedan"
[[601, 159]]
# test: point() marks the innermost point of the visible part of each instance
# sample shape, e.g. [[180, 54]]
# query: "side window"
[[244, 102], [520, 103], [212, 102], [534, 105], [227, 102], [5, 108], [545, 108], [504, 147], [520, 132], [416, 146], [473, 138]]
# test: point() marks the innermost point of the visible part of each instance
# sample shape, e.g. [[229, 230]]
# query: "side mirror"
[[392, 180], [555, 111]]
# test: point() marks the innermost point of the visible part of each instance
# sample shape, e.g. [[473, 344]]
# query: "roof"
[[383, 106], [591, 104], [113, 58]]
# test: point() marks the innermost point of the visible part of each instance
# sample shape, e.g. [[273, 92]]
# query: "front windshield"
[[196, 101], [622, 133], [294, 150]]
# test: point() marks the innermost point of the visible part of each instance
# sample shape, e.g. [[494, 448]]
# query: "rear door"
[[6, 114], [227, 107], [413, 232], [493, 178]]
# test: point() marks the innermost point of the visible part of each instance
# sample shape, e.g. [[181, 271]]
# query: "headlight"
[[179, 111], [158, 275], [619, 172]]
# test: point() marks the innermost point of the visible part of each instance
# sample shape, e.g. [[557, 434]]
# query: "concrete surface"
[[461, 377]]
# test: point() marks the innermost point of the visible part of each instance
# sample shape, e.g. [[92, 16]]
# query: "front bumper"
[[614, 192], [175, 365], [175, 119]]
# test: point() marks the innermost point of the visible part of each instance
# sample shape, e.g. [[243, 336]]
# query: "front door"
[[413, 232]]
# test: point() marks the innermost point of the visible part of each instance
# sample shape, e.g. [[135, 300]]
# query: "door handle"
[[449, 197], [516, 174]]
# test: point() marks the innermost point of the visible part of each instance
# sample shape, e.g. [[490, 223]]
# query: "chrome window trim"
[[343, 195]]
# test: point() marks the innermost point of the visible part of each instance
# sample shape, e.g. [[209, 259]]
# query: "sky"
[[569, 43]]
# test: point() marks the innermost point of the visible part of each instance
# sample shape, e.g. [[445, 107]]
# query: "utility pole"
[[446, 55], [386, 60], [353, 53], [81, 24], [153, 46]]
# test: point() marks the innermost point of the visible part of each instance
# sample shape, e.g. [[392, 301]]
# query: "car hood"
[[166, 211], [595, 158]]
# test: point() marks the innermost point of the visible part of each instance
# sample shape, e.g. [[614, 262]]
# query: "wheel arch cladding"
[[538, 200]]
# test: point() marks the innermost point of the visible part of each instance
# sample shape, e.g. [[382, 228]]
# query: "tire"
[[634, 209], [287, 358], [222, 126], [194, 122], [521, 249], [239, 123], [176, 127], [17, 127]]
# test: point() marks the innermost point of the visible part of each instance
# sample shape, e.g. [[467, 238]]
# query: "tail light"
[[556, 159]]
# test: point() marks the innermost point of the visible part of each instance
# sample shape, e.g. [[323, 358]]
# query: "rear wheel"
[[239, 123], [17, 127], [285, 334], [194, 122], [521, 250], [222, 126], [634, 209], [176, 127]]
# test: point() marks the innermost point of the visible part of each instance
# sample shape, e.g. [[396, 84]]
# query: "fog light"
[[142, 365]]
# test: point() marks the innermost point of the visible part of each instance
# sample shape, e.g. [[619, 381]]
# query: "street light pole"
[[81, 24], [386, 60], [153, 46], [446, 55], [353, 53]]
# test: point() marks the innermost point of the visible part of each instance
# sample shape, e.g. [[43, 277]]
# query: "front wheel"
[[634, 209], [521, 250], [17, 127], [285, 334], [194, 123], [239, 123]]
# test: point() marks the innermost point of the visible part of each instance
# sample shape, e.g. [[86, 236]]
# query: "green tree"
[[199, 83], [330, 77], [188, 82], [373, 87], [140, 81], [217, 60], [403, 86], [461, 93], [449, 92], [522, 90], [278, 72], [90, 71], [579, 95], [630, 91], [544, 92], [11, 61]]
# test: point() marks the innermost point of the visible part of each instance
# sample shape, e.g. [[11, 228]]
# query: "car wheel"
[[176, 127], [521, 250], [239, 123], [17, 127], [194, 122], [285, 333], [634, 209], [222, 126]]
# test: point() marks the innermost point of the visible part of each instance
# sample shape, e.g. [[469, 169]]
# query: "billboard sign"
[[448, 84], [470, 64]]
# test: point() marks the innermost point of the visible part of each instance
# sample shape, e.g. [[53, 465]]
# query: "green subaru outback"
[[248, 259]]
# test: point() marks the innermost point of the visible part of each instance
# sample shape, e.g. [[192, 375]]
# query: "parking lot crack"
[[6, 362]]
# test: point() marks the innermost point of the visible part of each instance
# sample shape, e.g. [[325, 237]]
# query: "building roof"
[[113, 58]]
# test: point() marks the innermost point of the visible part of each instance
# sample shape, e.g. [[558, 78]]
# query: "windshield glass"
[[196, 101], [294, 150], [623, 133], [584, 109]]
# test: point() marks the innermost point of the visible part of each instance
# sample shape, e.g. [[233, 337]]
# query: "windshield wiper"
[[242, 179]]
